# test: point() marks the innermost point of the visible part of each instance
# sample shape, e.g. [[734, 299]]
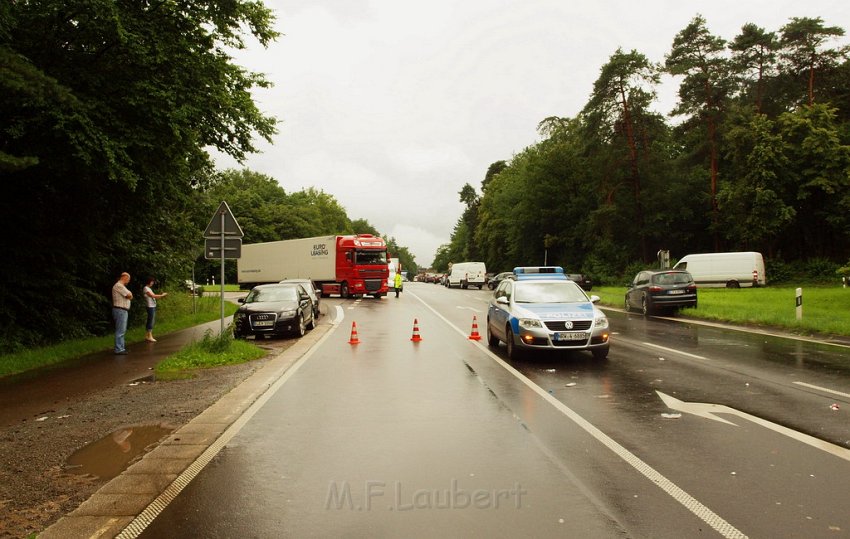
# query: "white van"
[[732, 270], [394, 266], [466, 274]]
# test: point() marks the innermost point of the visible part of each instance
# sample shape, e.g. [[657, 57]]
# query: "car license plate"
[[570, 336], [264, 323], [675, 291]]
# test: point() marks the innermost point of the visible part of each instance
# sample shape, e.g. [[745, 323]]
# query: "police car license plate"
[[570, 336], [264, 323]]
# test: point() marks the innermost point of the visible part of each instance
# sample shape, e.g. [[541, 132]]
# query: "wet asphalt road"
[[394, 438]]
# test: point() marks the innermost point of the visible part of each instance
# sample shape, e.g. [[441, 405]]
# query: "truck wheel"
[[343, 290]]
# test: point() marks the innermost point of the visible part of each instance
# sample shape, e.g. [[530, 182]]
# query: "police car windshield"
[[548, 292]]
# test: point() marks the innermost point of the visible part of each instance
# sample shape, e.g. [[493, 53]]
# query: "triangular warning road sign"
[[231, 227]]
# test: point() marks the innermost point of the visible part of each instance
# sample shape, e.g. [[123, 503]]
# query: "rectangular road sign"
[[232, 248]]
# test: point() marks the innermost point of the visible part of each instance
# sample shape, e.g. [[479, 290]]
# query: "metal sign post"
[[224, 231]]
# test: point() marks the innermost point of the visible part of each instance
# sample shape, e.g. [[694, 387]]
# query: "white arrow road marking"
[[677, 493], [824, 389], [708, 410]]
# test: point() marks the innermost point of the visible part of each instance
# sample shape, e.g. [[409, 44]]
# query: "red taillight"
[[692, 288], [655, 289]]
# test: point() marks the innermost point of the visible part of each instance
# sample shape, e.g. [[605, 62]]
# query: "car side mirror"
[[502, 300], [240, 300], [594, 298]]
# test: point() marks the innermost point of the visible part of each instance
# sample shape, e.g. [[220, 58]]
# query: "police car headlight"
[[530, 323], [601, 322]]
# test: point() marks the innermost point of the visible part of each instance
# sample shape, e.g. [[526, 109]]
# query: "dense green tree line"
[[109, 109], [265, 212], [755, 156]]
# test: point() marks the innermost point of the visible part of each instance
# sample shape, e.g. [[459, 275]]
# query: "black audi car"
[[274, 309]]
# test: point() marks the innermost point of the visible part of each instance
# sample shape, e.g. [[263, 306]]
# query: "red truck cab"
[[361, 267]]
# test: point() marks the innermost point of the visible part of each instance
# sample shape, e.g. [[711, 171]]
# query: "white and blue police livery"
[[543, 309]]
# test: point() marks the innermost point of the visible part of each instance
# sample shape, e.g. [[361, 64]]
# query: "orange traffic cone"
[[416, 337], [354, 339], [474, 335]]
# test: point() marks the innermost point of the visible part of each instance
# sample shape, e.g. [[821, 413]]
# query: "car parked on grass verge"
[[654, 291], [274, 309], [311, 289], [498, 278], [585, 282], [543, 310]]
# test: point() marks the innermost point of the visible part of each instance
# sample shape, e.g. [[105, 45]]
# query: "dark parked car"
[[311, 289], [653, 291], [498, 278], [274, 309], [583, 281]]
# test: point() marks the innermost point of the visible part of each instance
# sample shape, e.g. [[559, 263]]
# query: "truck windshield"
[[370, 258]]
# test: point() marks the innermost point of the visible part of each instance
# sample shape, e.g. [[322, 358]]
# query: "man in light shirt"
[[121, 297]]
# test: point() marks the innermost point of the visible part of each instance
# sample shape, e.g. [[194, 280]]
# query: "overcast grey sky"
[[391, 105]]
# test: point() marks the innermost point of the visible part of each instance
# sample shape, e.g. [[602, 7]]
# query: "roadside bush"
[[820, 269], [778, 271], [816, 270]]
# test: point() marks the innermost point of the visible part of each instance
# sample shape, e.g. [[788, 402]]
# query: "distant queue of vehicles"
[[474, 274]]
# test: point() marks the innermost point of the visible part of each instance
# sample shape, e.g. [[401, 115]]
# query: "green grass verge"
[[174, 312], [825, 309], [214, 350]]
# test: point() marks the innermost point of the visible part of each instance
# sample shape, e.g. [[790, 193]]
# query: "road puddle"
[[108, 457]]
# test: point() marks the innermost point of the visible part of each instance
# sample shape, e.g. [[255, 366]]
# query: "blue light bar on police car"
[[539, 272]]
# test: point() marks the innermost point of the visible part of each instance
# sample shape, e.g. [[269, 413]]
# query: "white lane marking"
[[708, 410], [143, 519], [689, 502], [742, 329], [340, 315], [824, 389], [473, 309], [673, 350]]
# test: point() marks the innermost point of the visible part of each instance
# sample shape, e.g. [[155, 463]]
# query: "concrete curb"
[[117, 503]]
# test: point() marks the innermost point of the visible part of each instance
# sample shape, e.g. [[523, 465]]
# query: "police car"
[[543, 309]]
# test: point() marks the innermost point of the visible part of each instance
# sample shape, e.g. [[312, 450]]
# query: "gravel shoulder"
[[36, 486]]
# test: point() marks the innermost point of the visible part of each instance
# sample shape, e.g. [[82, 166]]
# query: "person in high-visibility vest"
[[397, 283]]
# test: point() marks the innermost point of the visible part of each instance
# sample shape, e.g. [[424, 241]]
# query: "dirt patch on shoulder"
[[36, 489]]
